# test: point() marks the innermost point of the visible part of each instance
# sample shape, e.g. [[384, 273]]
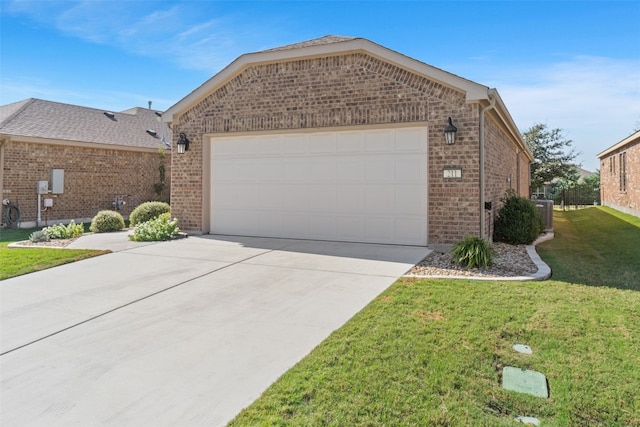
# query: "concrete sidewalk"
[[186, 332]]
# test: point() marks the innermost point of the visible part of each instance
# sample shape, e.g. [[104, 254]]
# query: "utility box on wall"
[[57, 181], [43, 187]]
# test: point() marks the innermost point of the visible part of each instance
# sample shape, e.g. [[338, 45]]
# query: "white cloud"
[[595, 100], [183, 33]]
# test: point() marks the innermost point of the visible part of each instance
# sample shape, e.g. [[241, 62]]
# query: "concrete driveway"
[[184, 333]]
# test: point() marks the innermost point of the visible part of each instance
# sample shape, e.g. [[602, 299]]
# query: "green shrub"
[[157, 229], [472, 252], [147, 211], [518, 221], [62, 231], [106, 221], [39, 236]]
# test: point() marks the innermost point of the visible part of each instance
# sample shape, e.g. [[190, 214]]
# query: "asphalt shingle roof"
[[314, 42], [53, 120]]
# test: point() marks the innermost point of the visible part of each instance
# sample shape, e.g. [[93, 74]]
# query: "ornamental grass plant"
[[472, 252]]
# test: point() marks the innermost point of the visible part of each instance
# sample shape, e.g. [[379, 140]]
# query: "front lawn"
[[16, 262], [431, 352], [595, 246]]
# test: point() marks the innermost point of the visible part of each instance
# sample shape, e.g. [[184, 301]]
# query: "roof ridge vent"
[[110, 114]]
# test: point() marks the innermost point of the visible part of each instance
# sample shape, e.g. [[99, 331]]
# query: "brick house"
[[342, 139], [620, 175], [95, 154]]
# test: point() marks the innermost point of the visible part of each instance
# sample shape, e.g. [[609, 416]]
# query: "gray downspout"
[[492, 104]]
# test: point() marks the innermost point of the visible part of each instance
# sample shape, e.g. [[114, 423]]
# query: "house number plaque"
[[452, 173]]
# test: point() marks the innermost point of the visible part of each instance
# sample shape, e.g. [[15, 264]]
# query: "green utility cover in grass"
[[524, 381]]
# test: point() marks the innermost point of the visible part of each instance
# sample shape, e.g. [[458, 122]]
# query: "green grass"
[[430, 352], [595, 246], [16, 262]]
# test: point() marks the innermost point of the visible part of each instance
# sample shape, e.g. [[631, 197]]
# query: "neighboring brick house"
[[102, 154], [620, 175], [339, 138]]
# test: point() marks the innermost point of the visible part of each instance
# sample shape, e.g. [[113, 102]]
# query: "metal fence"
[[577, 197]]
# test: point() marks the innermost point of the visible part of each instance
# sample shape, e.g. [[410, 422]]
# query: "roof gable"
[[633, 138], [328, 45], [334, 46], [37, 118]]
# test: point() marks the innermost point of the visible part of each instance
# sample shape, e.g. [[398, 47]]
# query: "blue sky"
[[573, 65]]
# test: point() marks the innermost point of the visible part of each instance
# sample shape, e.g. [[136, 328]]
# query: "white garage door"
[[356, 186]]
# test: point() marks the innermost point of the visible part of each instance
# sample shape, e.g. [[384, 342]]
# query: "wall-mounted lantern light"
[[450, 133], [183, 143]]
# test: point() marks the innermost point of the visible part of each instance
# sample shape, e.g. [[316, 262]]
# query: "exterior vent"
[[111, 115], [152, 132]]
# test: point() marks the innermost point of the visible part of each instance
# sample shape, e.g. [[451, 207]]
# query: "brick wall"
[[347, 90], [506, 168], [627, 199], [92, 178]]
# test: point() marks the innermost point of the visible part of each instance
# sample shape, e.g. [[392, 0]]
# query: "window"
[[623, 171], [612, 165]]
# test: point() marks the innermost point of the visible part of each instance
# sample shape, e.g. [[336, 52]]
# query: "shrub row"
[[152, 222]]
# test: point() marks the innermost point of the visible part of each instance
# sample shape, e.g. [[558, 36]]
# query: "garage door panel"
[[323, 198], [271, 223], [297, 225], [411, 139], [410, 168], [322, 226], [270, 197], [352, 227], [295, 198], [270, 146], [322, 143], [406, 201], [294, 144], [224, 171], [350, 142], [237, 221], [380, 141], [411, 230], [246, 147], [350, 169], [380, 199], [380, 169], [351, 198], [245, 170], [224, 148], [360, 186], [294, 170], [380, 229], [260, 169], [235, 196], [321, 169]]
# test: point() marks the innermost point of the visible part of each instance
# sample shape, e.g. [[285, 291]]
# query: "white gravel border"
[[543, 273]]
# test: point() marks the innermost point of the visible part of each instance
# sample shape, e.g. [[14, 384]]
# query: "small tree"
[[552, 153]]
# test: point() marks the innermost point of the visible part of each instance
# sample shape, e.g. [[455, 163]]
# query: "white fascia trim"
[[472, 90], [633, 137]]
